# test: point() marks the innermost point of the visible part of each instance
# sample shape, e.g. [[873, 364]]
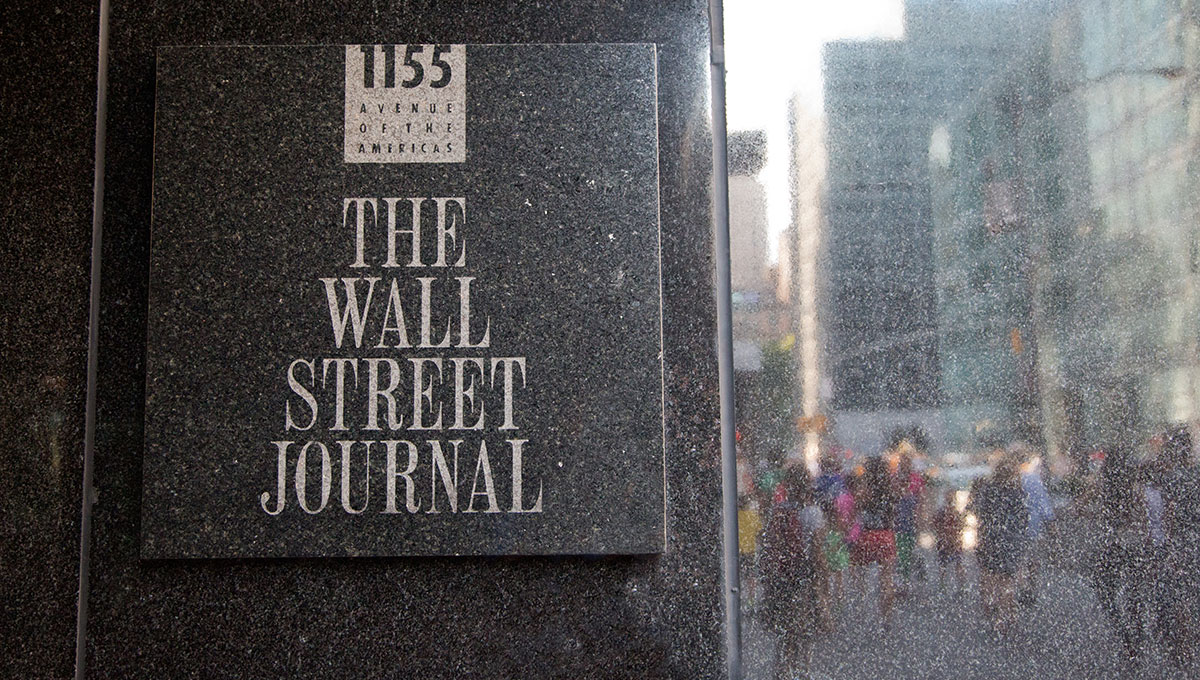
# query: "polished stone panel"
[[48, 109], [650, 616], [448, 345]]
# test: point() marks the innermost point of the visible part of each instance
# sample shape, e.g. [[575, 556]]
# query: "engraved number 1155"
[[410, 60]]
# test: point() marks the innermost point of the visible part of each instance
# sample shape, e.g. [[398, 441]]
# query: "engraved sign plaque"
[[404, 300]]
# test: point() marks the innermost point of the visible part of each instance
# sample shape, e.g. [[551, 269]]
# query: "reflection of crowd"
[[804, 537]]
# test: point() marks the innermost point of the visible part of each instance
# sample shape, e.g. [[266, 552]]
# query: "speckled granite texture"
[[415, 617], [551, 245], [47, 105]]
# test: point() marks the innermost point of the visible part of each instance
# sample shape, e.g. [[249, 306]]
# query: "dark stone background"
[[560, 233], [577, 617], [47, 137]]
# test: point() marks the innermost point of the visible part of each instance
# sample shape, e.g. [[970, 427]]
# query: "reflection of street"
[[939, 635]]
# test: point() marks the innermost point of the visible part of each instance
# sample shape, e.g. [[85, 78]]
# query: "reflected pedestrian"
[[876, 544], [1157, 589], [948, 526], [1119, 565], [999, 505], [1041, 514], [910, 489], [837, 504], [1181, 524], [831, 481], [749, 528], [794, 571]]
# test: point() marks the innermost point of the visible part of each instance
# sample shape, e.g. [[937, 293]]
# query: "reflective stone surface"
[[656, 616], [48, 97], [433, 350]]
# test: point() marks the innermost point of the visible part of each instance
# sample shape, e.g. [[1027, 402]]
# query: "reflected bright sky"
[[772, 50]]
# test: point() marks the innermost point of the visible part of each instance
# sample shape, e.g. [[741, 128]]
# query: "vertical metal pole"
[[733, 633], [89, 422], [1189, 30]]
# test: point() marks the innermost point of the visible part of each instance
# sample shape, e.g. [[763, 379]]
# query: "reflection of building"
[[749, 275], [1065, 240], [882, 98], [983, 253], [803, 243], [881, 352], [765, 380], [757, 315]]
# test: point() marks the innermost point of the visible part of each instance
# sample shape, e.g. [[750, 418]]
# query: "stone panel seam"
[[89, 427]]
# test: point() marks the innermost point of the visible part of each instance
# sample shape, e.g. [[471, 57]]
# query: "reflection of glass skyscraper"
[[881, 355], [1089, 130], [882, 98], [1136, 368]]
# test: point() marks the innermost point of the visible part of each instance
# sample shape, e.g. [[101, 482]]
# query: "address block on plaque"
[[404, 300]]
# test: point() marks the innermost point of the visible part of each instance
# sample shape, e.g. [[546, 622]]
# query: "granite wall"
[[48, 109], [518, 617]]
